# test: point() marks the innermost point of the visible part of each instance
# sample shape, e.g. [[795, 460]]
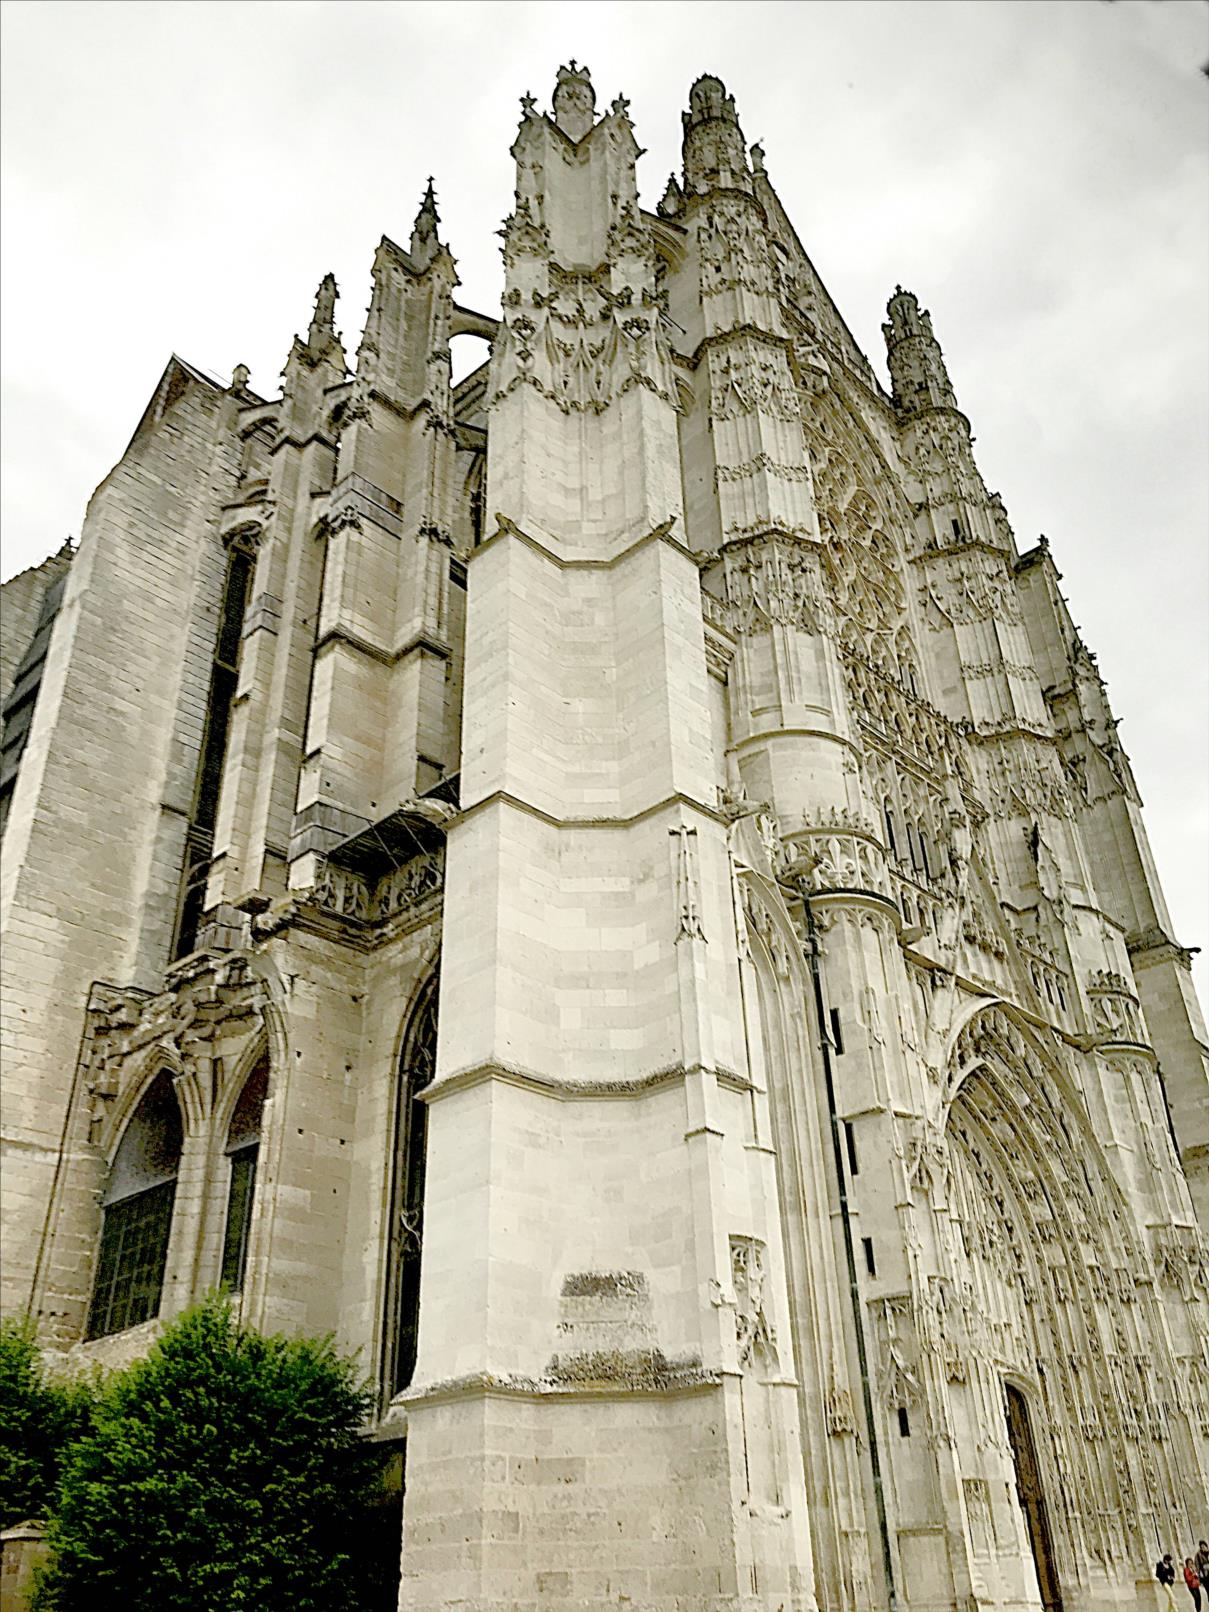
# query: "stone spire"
[[313, 364], [715, 154], [323, 320], [917, 368], [574, 101], [425, 242]]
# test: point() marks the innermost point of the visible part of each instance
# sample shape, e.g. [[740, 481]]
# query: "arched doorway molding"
[[1053, 1292]]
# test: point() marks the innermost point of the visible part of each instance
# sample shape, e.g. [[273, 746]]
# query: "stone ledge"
[[677, 1380], [501, 797], [565, 1089], [659, 534]]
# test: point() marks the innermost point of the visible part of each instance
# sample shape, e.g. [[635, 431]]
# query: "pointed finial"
[[323, 320], [528, 105], [424, 238], [672, 201], [574, 101]]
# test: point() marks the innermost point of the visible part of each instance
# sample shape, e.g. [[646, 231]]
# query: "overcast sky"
[[178, 177]]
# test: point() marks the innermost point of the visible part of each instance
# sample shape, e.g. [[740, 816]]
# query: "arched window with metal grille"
[[137, 1205]]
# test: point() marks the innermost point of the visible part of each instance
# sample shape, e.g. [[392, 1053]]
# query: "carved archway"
[[1051, 1293]]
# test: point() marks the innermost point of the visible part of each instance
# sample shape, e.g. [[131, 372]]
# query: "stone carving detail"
[[582, 343], [207, 996], [900, 1379], [406, 887], [761, 464], [1179, 1260], [769, 830], [1115, 1010], [897, 716], [346, 892], [688, 883], [341, 890], [1051, 981], [946, 465], [978, 1510], [843, 852], [751, 381], [927, 1160], [753, 1333], [841, 1417], [973, 586], [774, 580], [1022, 777], [733, 244]]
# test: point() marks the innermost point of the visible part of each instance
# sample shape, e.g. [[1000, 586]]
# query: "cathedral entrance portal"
[[1032, 1498]]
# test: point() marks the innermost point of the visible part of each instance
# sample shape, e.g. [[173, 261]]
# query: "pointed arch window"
[[224, 677], [137, 1207], [416, 1068], [891, 837], [927, 861], [243, 1149]]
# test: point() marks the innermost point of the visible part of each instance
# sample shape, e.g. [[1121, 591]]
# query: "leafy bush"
[[39, 1418], [222, 1472]]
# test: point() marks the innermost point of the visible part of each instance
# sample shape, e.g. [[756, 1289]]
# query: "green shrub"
[[39, 1418], [223, 1471]]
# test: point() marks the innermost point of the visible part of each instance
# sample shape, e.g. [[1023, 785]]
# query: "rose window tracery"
[[862, 547]]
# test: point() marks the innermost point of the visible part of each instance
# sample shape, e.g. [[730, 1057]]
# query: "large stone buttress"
[[603, 1310]]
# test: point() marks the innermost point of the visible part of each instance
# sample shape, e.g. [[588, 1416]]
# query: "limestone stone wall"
[[94, 838], [20, 601]]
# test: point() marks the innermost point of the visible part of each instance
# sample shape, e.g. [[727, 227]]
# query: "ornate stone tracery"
[[864, 540], [1049, 1276]]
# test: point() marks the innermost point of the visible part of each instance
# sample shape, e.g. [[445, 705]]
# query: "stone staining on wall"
[[670, 863]]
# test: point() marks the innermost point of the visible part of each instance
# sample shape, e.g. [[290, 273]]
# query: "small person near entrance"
[[1164, 1571], [1192, 1579]]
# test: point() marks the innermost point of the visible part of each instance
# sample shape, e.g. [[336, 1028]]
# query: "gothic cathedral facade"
[[612, 887]]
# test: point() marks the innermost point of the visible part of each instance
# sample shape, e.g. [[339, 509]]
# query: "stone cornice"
[[288, 440], [506, 528], [970, 545], [677, 1381], [386, 657], [566, 1090], [502, 797], [722, 338], [797, 731]]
